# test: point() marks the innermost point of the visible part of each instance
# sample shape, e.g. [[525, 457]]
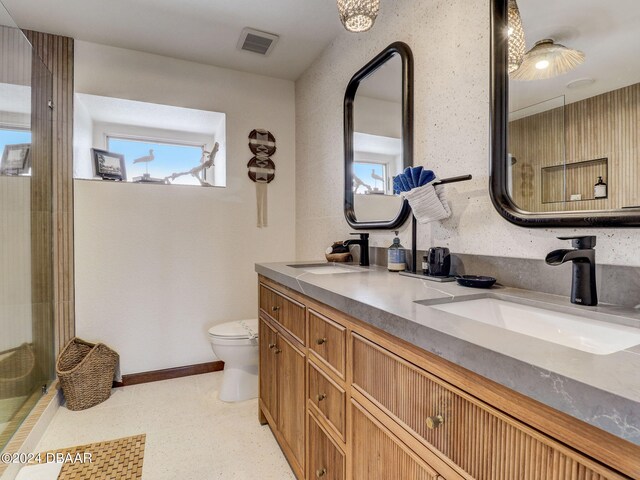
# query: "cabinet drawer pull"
[[277, 351], [272, 346], [321, 396], [275, 309], [321, 472], [435, 421], [320, 341]]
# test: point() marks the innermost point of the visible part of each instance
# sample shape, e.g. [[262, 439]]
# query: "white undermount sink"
[[588, 335], [325, 268]]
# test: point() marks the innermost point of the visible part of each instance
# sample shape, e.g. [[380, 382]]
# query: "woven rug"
[[119, 459]]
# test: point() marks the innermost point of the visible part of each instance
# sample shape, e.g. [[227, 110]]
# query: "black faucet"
[[364, 247], [583, 256]]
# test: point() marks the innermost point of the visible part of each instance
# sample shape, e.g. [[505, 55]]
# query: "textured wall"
[[450, 40]]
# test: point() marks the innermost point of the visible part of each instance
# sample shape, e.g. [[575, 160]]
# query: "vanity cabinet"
[[376, 407], [327, 342], [282, 372], [378, 455], [477, 439], [268, 341], [285, 311], [328, 399], [326, 458]]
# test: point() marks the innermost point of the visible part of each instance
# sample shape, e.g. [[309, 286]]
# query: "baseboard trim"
[[169, 373]]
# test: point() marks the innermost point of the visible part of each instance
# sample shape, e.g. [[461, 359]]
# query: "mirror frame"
[[404, 52], [499, 118]]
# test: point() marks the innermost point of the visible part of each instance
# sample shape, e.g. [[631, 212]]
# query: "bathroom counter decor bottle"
[[396, 256]]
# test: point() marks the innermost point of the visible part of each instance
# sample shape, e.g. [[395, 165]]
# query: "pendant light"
[[516, 36], [358, 15], [548, 59]]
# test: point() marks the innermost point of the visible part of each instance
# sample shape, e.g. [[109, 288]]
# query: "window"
[[154, 161], [154, 143], [370, 178]]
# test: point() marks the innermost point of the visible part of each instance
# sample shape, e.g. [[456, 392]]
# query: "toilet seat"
[[236, 330]]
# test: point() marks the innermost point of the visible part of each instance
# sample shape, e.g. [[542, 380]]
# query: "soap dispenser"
[[600, 189], [396, 256]]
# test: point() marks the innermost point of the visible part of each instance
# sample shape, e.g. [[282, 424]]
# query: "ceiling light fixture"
[[358, 15], [542, 64], [516, 36], [548, 59]]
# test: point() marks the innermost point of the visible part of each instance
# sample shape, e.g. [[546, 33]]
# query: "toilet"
[[236, 344]]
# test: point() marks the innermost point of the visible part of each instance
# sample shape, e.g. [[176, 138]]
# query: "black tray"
[[475, 281]]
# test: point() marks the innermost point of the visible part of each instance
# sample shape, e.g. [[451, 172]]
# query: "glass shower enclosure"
[[27, 353]]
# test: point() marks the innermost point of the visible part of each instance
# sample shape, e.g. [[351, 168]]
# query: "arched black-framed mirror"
[[554, 136], [378, 139]]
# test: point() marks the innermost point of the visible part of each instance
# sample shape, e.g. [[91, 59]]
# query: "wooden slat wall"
[[535, 142], [579, 180], [604, 126], [42, 219], [57, 54]]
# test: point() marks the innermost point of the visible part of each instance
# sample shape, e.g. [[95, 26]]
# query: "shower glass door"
[[26, 313]]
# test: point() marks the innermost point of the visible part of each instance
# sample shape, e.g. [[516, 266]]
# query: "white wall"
[[450, 40], [156, 266], [82, 140], [15, 261], [377, 117]]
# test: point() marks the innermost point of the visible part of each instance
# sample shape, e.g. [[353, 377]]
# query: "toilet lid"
[[237, 329]]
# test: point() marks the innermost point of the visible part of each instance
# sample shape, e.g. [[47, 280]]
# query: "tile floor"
[[191, 435]]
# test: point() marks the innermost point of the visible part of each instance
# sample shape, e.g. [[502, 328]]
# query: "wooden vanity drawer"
[[482, 441], [328, 339], [378, 455], [326, 461], [284, 310], [329, 398]]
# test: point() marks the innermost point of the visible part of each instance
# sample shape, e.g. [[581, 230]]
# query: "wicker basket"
[[86, 373], [17, 371]]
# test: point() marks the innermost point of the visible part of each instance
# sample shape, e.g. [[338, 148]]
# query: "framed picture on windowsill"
[[15, 159], [108, 165]]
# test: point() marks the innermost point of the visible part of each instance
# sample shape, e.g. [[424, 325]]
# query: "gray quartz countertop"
[[602, 390]]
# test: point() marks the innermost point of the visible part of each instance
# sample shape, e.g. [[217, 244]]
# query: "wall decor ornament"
[[261, 168], [198, 172]]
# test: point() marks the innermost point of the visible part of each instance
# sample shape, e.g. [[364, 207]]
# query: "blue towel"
[[404, 182], [415, 176], [412, 178], [426, 176]]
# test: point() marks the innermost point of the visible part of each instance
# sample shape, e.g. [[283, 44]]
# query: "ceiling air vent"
[[256, 41]]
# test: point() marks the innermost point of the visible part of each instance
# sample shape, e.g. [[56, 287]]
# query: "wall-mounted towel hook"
[[460, 178], [414, 222]]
